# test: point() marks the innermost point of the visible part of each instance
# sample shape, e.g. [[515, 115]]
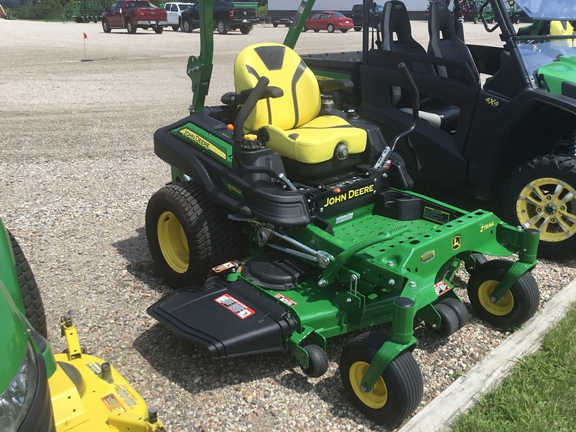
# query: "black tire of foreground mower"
[[188, 234], [459, 309], [33, 306], [450, 322], [396, 394], [517, 306], [542, 188], [318, 361], [475, 261]]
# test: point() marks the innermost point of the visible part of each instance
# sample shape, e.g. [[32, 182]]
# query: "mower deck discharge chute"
[[288, 222]]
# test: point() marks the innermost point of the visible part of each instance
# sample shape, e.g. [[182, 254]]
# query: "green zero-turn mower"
[[288, 222], [45, 392]]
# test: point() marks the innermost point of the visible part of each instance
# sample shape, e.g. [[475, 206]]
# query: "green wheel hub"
[[173, 242], [548, 205], [375, 399]]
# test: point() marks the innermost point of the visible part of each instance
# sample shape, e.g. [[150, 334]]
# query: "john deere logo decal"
[[456, 242]]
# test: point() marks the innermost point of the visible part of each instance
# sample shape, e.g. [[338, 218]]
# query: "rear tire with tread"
[[188, 234], [33, 306]]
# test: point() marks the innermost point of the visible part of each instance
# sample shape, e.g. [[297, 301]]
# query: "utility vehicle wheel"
[[188, 235], [459, 309], [187, 26], [275, 25], [158, 29], [330, 28], [130, 28], [517, 306], [105, 27], [176, 28], [221, 27], [244, 30], [541, 194], [33, 307], [450, 322], [318, 362], [398, 391], [357, 28]]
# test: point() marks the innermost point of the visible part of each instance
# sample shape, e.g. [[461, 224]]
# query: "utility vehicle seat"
[[444, 43], [295, 129], [395, 21]]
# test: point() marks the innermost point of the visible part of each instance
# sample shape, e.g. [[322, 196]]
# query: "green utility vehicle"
[[288, 222], [40, 391], [499, 121]]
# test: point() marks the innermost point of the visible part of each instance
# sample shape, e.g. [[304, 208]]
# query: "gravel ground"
[[77, 170]]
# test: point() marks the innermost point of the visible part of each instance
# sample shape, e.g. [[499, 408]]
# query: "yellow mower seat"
[[292, 122]]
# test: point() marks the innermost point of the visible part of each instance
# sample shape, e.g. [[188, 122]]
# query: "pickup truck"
[[226, 17], [134, 14], [374, 16], [174, 11]]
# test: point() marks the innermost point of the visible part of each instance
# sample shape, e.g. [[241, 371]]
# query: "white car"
[[173, 10]]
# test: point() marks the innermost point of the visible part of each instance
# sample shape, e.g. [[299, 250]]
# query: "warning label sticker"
[[113, 404], [234, 306], [441, 287], [285, 300]]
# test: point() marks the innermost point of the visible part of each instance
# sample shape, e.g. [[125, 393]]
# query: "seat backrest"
[[395, 22], [286, 70], [445, 43]]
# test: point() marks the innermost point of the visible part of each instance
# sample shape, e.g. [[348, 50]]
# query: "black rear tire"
[[33, 306], [399, 391], [188, 234]]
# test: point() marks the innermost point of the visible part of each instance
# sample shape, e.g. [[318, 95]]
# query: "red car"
[[330, 21]]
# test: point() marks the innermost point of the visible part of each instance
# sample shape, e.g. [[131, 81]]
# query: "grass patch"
[[538, 395]]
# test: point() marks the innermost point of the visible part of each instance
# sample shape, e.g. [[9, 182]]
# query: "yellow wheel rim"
[[503, 307], [548, 205], [173, 242], [375, 399]]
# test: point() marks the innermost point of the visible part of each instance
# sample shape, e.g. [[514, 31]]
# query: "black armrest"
[[235, 99], [334, 84]]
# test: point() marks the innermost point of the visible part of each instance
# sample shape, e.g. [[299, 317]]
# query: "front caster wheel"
[[398, 391], [317, 363], [517, 306], [188, 234]]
